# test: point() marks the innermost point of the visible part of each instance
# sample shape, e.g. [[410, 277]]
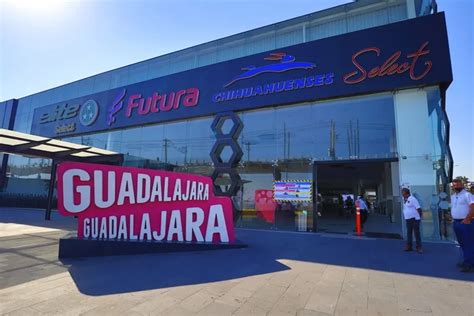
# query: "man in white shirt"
[[364, 210], [462, 211], [412, 213]]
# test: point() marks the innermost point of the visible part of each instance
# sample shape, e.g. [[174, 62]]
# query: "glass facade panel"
[[288, 38], [200, 141], [322, 30], [258, 138], [260, 44], [397, 13], [441, 158], [27, 180], [207, 58]]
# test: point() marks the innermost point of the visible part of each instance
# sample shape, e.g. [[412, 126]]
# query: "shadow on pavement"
[[35, 217], [33, 256], [109, 275]]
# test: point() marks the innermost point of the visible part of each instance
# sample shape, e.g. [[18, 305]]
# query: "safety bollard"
[[358, 227]]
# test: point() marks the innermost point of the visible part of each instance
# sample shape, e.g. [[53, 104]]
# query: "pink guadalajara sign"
[[126, 203]]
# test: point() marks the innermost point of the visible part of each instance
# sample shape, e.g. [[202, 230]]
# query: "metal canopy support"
[[52, 183], [18, 143]]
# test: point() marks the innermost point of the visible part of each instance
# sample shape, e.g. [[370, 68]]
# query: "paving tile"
[[175, 311], [269, 293], [26, 301], [234, 297], [27, 311], [198, 301], [382, 307], [307, 312], [250, 308], [219, 288], [323, 300], [351, 311], [181, 292], [283, 278], [218, 309], [155, 304], [115, 307]]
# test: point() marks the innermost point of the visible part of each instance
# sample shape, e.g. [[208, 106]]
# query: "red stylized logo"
[[390, 66]]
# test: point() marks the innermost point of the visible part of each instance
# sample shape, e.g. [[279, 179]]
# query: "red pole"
[[358, 228]]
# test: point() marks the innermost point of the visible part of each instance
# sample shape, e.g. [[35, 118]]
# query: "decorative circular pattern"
[[89, 112]]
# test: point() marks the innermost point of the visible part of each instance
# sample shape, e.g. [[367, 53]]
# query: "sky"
[[47, 43]]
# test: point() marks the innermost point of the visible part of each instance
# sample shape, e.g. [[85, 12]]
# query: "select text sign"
[[126, 203]]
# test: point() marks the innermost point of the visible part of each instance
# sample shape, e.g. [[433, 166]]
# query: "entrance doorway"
[[338, 184]]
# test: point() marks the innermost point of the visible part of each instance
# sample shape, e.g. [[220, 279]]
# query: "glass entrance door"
[[338, 185]]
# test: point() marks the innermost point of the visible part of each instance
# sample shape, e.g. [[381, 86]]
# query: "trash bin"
[[301, 221]]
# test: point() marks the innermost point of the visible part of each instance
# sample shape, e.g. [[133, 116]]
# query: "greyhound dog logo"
[[116, 106], [284, 62]]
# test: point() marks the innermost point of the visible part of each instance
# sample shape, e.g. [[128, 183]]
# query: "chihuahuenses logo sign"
[[125, 203], [284, 63], [280, 62]]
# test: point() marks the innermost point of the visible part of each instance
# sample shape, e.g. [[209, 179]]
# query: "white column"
[[415, 150], [414, 137]]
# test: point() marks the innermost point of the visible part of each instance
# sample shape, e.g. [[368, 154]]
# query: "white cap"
[[405, 185]]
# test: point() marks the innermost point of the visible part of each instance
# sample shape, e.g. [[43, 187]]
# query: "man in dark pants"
[[462, 211], [412, 213]]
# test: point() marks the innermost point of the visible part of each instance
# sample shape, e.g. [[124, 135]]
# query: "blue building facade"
[[351, 98]]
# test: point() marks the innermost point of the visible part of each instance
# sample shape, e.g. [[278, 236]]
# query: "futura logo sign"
[[116, 106], [141, 105]]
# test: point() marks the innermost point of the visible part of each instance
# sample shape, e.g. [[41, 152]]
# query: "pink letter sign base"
[[125, 210]]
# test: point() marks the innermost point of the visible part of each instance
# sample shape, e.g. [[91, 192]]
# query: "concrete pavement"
[[279, 274]]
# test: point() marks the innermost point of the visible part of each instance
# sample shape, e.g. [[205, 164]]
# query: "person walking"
[[412, 213], [462, 212], [349, 206], [364, 210]]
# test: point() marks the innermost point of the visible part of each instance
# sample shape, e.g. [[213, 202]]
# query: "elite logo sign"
[[64, 113], [124, 203]]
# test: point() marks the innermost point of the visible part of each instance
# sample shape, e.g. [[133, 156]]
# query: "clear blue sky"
[[46, 43]]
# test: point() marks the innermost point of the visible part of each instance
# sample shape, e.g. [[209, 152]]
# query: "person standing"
[[462, 211], [412, 213], [364, 210]]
